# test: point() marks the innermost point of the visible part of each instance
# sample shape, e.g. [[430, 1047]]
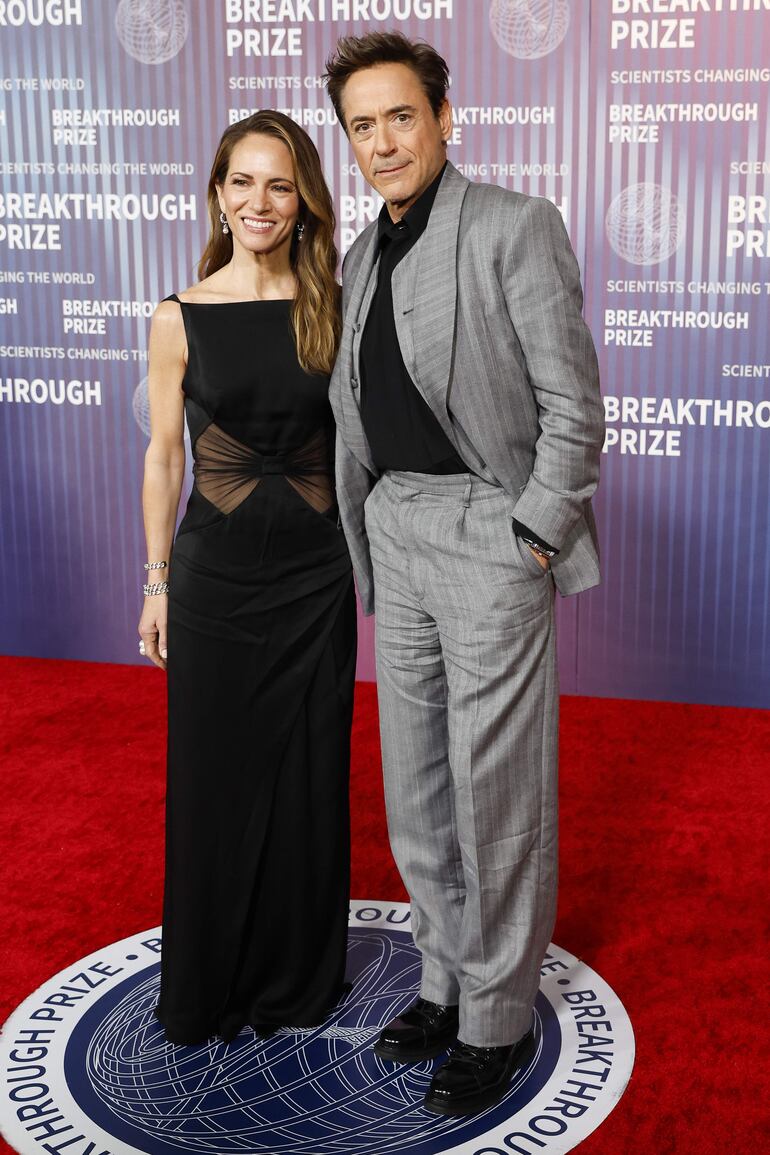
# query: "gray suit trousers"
[[468, 696]]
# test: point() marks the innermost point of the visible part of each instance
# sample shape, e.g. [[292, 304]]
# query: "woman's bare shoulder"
[[167, 322], [210, 290]]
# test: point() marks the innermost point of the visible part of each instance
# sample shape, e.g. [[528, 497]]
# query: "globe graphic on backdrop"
[[152, 31], [314, 1091], [140, 405], [645, 224], [528, 29]]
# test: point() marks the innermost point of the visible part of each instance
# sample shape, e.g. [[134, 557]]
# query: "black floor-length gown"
[[261, 656]]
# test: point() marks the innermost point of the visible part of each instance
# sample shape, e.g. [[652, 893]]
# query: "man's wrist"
[[533, 541], [537, 549]]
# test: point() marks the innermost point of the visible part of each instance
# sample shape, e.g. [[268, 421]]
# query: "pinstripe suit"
[[487, 310]]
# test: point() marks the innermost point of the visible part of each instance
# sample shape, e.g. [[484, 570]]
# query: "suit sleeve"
[[354, 483], [541, 282]]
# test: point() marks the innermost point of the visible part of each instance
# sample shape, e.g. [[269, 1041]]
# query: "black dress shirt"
[[402, 431]]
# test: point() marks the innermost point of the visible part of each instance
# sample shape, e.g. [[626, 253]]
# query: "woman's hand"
[[152, 629]]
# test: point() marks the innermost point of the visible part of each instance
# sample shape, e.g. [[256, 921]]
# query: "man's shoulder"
[[497, 218], [485, 198]]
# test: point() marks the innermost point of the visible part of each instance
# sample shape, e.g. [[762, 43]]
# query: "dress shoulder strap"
[[172, 297]]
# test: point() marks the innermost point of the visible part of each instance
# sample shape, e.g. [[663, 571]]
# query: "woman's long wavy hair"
[[315, 314]]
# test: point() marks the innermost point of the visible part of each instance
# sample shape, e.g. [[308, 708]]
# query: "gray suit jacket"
[[488, 314]]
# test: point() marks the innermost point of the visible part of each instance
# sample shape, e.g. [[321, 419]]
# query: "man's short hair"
[[355, 53]]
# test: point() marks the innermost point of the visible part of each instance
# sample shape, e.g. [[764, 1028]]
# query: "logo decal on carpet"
[[86, 1070]]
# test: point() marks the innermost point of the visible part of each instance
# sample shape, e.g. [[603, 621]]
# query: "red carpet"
[[664, 865]]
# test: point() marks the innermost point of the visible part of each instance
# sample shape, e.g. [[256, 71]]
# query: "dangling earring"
[[300, 230], [225, 226]]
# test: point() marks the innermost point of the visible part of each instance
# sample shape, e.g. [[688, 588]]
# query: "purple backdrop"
[[650, 132]]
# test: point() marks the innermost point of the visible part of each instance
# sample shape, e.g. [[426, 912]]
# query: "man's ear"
[[445, 120]]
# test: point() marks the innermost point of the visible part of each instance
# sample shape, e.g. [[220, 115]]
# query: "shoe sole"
[[470, 1107], [399, 1055]]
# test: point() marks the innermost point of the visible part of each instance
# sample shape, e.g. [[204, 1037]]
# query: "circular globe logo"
[[86, 1054], [528, 29], [645, 224], [140, 405], [152, 31]]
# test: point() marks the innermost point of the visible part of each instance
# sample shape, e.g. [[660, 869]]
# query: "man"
[[470, 427]]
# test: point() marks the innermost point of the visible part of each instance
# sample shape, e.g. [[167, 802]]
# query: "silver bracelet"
[[155, 588], [155, 564]]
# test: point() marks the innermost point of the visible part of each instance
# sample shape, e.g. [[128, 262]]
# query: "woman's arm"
[[163, 466]]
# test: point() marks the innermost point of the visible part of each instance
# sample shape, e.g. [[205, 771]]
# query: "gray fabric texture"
[[467, 689], [487, 306], [488, 314]]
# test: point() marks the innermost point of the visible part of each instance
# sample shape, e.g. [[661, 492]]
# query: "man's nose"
[[384, 142]]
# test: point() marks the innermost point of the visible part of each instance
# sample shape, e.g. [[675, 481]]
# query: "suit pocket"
[[369, 501], [527, 558]]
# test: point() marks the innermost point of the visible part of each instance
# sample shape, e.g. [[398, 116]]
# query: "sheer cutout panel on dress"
[[226, 471], [310, 472]]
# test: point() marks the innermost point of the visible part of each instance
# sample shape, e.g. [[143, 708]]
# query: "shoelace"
[[465, 1055], [429, 1011]]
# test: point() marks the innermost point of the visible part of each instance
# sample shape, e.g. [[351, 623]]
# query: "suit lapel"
[[425, 297], [344, 394], [424, 303], [360, 277]]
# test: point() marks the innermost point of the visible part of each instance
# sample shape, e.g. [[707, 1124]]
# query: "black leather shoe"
[[475, 1078], [422, 1032]]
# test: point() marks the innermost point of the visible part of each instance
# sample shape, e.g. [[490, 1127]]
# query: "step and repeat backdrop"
[[646, 122]]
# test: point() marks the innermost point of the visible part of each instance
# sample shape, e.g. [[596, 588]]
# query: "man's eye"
[[362, 129]]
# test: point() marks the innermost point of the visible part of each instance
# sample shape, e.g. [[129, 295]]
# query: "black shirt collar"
[[414, 221]]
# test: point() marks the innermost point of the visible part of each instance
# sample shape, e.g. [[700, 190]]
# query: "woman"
[[260, 648]]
